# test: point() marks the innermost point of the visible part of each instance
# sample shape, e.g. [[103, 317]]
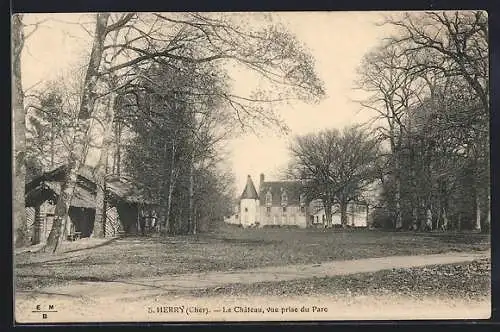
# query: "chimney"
[[261, 180]]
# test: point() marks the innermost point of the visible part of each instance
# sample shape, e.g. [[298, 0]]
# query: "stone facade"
[[283, 203], [279, 203]]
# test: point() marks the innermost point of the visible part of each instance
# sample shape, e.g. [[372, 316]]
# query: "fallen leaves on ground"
[[466, 280]]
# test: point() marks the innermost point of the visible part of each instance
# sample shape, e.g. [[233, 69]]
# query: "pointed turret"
[[249, 192]]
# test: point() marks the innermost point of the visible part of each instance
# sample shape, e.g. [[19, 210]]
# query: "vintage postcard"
[[266, 166]]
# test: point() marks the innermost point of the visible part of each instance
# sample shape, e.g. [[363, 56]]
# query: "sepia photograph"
[[250, 166]]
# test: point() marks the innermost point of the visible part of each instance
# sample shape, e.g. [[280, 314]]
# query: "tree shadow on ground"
[[51, 260], [247, 241], [105, 243]]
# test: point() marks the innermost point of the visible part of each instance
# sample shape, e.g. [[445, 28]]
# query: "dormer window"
[[302, 199], [269, 198], [284, 198]]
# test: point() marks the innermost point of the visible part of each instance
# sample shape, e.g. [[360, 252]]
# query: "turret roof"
[[249, 192]]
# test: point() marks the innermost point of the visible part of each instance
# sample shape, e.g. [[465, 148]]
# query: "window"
[[284, 198], [302, 209], [246, 209], [284, 209], [269, 198], [268, 210]]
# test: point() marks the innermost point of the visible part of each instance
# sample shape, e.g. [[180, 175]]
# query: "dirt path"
[[143, 288]]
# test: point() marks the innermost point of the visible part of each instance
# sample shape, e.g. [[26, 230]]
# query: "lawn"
[[228, 249]]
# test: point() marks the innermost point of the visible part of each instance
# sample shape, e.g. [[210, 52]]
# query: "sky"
[[337, 41]]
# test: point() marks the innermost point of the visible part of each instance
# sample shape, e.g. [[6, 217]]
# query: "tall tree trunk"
[[118, 152], [343, 213], [367, 215], [328, 212], [428, 219], [163, 193], [171, 186], [414, 213], [100, 171], [21, 235], [487, 221], [477, 224], [52, 145], [398, 222], [195, 220], [423, 220], [191, 196], [81, 134], [353, 212], [444, 216], [444, 205], [115, 152]]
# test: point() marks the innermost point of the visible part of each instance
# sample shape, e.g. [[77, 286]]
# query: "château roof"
[[249, 192], [293, 190]]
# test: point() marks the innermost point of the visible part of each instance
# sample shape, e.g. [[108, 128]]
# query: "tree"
[[178, 121], [50, 114], [336, 166], [21, 234], [434, 71], [189, 38], [454, 44], [81, 133], [393, 90]]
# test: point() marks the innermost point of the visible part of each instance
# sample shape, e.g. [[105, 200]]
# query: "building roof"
[[128, 190], [47, 186], [85, 174], [293, 191], [249, 192], [81, 197], [49, 190]]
